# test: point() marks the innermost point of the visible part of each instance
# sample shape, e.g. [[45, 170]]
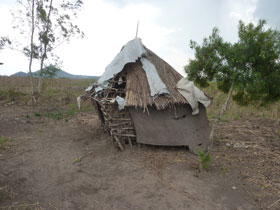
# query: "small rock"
[[234, 188], [238, 145], [241, 145], [228, 144]]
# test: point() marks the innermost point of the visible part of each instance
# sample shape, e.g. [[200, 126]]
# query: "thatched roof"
[[138, 90], [140, 78]]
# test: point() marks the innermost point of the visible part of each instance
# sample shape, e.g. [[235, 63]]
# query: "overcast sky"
[[166, 28]]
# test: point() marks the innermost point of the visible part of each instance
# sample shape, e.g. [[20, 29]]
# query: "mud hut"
[[141, 99]]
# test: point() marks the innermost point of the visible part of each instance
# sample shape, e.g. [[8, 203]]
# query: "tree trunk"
[[40, 77], [224, 108], [44, 55], [31, 47], [227, 102]]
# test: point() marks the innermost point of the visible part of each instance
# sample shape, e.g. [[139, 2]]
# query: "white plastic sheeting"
[[133, 50], [79, 101], [192, 94], [89, 88], [157, 87], [120, 102]]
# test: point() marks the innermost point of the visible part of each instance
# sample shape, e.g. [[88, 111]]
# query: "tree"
[[56, 26], [31, 52], [50, 25], [25, 22], [249, 69]]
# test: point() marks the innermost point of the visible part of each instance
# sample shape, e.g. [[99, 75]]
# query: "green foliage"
[[49, 72], [35, 51], [78, 160], [55, 25], [209, 61], [37, 114], [224, 118], [3, 140], [59, 115], [47, 24], [70, 113], [252, 64], [205, 159]]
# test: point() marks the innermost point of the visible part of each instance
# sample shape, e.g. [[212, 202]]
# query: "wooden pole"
[[137, 29]]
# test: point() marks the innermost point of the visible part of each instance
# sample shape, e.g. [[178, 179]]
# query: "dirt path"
[[72, 164]]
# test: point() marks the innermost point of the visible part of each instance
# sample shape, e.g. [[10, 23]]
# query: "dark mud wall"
[[172, 127]]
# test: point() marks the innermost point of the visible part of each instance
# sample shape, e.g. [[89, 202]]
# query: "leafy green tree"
[[248, 70], [49, 71], [259, 60], [47, 24], [55, 23]]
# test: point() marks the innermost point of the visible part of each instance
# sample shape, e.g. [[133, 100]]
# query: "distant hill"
[[19, 74], [59, 74]]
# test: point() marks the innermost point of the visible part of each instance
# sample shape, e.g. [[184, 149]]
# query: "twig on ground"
[[20, 153], [50, 204], [19, 206], [82, 157], [3, 188], [273, 204]]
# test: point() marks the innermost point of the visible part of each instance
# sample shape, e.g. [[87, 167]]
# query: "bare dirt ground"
[[72, 164]]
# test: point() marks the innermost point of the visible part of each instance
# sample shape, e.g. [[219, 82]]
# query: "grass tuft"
[[37, 114], [3, 142], [205, 159]]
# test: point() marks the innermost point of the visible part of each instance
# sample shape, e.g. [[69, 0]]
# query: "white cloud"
[[244, 10]]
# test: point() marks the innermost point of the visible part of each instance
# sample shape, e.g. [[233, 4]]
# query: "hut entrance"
[[116, 119]]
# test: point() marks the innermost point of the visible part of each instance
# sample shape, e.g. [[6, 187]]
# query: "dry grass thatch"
[[137, 87]]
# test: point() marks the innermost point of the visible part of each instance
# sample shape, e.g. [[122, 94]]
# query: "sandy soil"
[[59, 164]]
